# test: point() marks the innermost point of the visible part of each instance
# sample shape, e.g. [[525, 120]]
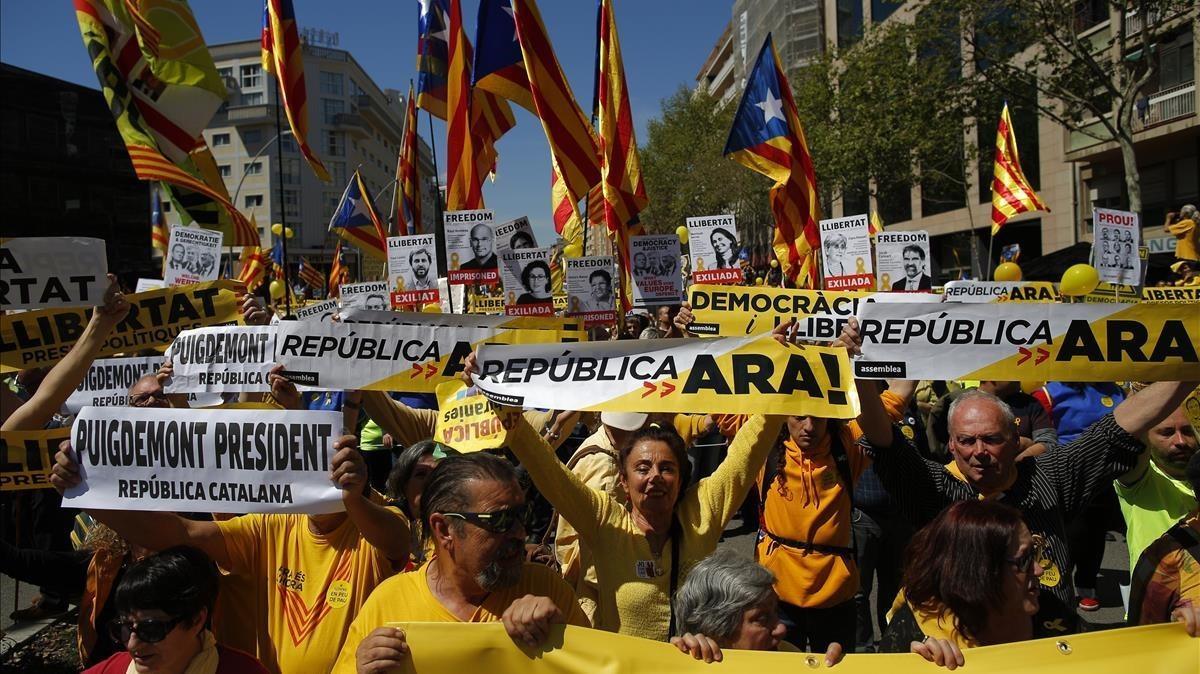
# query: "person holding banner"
[[1049, 490], [473, 508], [1165, 581]]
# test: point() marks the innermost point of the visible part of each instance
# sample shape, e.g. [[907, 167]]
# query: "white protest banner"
[[58, 271], [212, 461], [714, 249], [656, 275], [982, 292], [736, 375], [412, 270], [460, 320], [412, 358], [1115, 251], [846, 253], [194, 255], [525, 275], [470, 247], [318, 311], [902, 261], [144, 284], [590, 289], [231, 359], [372, 295], [1181, 294], [1029, 342], [108, 381]]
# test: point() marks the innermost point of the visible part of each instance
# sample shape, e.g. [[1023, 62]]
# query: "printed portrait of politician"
[[725, 247], [420, 264], [176, 260], [520, 240], [915, 277], [639, 264], [835, 256], [536, 279], [482, 247], [600, 298], [376, 302]]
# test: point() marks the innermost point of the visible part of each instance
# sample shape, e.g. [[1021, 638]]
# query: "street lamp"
[[258, 154]]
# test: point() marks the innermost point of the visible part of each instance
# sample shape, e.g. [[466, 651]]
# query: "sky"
[[664, 43]]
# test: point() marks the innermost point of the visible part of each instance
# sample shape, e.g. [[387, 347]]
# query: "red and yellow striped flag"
[[464, 180], [408, 206], [311, 276], [1011, 192], [253, 266], [337, 272], [283, 57]]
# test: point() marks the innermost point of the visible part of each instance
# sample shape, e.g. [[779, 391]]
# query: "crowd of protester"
[[974, 513]]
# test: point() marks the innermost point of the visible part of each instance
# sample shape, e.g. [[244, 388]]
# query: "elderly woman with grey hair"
[[729, 601]]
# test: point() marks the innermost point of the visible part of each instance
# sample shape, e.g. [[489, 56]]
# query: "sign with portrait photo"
[[902, 261], [590, 283], [526, 278], [471, 247], [1115, 251], [412, 270], [656, 277], [193, 256], [714, 249], [846, 253], [369, 295]]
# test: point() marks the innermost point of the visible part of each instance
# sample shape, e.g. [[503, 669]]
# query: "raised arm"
[[873, 417], [1143, 410], [384, 528], [69, 372], [720, 495], [406, 425]]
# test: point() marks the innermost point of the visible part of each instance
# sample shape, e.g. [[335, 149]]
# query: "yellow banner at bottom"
[[465, 647]]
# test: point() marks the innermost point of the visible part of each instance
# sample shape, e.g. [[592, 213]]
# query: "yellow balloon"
[[758, 281], [1079, 280], [681, 232], [289, 233], [432, 308], [774, 263], [1008, 271], [277, 229], [276, 289], [572, 250]]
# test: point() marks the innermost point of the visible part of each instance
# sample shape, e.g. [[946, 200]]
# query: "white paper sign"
[[590, 289], [108, 381], [515, 235], [193, 255], [144, 284], [714, 249], [213, 461], [371, 295], [412, 270], [1115, 251], [526, 278], [656, 275], [902, 261], [57, 271], [321, 311], [471, 247], [846, 253], [226, 359]]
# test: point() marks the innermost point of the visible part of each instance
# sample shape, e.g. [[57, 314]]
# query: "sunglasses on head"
[[150, 631], [497, 521]]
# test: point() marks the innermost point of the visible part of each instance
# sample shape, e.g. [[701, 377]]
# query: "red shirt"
[[231, 661]]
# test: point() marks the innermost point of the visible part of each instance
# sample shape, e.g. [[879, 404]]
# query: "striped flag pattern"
[[283, 57], [253, 268], [337, 272], [464, 181], [356, 221], [566, 216], [311, 276], [408, 211], [150, 164], [767, 137], [1011, 192], [874, 224], [159, 235]]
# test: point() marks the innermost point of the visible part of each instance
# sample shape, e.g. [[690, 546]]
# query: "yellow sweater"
[[632, 600]]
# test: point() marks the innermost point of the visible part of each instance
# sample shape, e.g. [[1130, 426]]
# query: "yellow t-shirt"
[[407, 598], [634, 586], [300, 591], [1187, 239]]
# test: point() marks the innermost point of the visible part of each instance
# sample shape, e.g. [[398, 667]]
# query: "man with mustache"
[[1049, 489], [474, 510]]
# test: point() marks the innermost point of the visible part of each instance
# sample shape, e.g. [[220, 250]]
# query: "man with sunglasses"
[[474, 510], [1049, 489]]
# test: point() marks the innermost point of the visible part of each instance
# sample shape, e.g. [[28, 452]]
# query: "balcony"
[[1168, 105], [351, 123], [379, 116], [250, 114]]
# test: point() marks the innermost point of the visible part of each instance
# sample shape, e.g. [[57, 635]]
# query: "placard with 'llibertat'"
[[57, 271]]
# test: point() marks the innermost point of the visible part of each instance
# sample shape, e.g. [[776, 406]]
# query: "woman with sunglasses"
[[405, 483], [164, 610], [970, 579]]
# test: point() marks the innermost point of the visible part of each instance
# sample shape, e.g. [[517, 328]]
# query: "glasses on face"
[[497, 521], [150, 631], [148, 399], [1035, 553]]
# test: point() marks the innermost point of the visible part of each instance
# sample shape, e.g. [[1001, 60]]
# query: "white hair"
[[1010, 418], [717, 592]]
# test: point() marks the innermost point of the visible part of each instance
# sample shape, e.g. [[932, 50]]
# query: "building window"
[[291, 202], [253, 98], [220, 139], [251, 76], [337, 172], [849, 22], [335, 146], [252, 169], [253, 201], [288, 143], [251, 136], [332, 107], [291, 171], [224, 170], [882, 9], [332, 83], [330, 203]]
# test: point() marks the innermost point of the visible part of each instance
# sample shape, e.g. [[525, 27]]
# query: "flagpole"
[[287, 285], [437, 212], [396, 177]]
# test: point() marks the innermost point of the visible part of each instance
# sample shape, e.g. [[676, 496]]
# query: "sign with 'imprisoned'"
[[738, 375], [220, 461]]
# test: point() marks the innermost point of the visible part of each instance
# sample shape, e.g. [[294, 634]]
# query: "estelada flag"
[[283, 57], [356, 222], [1011, 192], [767, 137]]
